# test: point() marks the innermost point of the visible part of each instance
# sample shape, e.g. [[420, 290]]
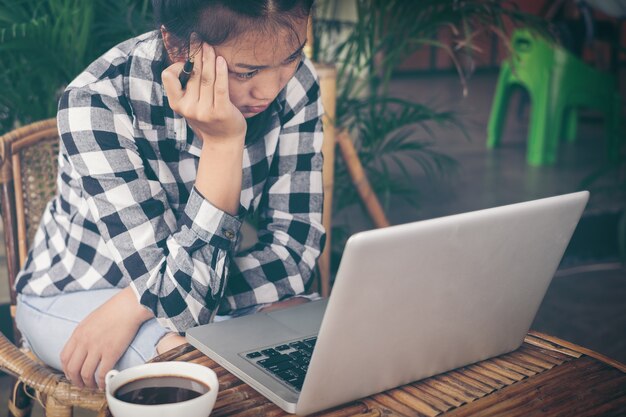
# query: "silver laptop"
[[409, 301]]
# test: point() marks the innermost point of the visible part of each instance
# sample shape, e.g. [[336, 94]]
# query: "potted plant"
[[393, 135]]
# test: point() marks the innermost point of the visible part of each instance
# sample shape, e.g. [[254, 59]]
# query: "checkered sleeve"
[[290, 232], [176, 264]]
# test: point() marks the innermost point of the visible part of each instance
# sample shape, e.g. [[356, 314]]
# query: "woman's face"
[[260, 67]]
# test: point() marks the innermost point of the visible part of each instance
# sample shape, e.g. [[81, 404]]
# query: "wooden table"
[[544, 377]]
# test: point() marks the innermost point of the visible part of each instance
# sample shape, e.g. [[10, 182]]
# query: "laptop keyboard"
[[287, 361]]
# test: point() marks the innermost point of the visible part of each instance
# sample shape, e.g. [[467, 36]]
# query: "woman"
[[155, 178]]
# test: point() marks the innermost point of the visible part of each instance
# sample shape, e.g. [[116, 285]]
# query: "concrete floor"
[[586, 303]]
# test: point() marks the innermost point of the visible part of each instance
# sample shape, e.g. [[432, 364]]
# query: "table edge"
[[572, 346]]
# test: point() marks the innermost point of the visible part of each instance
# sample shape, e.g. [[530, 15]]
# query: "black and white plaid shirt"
[[127, 212]]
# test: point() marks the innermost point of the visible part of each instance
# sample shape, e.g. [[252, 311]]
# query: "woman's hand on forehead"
[[205, 102]]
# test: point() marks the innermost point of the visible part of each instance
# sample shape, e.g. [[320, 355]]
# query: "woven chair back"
[[28, 161], [28, 171]]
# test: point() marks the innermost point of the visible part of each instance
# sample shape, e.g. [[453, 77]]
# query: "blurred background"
[[417, 83]]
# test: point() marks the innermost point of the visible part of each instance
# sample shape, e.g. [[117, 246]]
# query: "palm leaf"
[[46, 43]]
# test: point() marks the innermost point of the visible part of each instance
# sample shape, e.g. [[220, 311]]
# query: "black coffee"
[[163, 389]]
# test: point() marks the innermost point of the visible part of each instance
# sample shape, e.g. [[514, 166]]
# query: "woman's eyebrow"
[[296, 52], [260, 67]]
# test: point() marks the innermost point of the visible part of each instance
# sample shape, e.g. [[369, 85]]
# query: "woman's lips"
[[255, 109]]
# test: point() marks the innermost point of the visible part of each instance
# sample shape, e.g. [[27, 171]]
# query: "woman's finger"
[[88, 371], [66, 354], [75, 365], [192, 91], [222, 98], [106, 364], [171, 84], [208, 75]]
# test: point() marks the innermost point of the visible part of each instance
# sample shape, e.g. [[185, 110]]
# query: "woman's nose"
[[266, 88]]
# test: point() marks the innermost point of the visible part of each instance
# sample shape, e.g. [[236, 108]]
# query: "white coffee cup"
[[200, 406]]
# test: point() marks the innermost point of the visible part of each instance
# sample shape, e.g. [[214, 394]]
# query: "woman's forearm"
[[205, 104], [220, 173]]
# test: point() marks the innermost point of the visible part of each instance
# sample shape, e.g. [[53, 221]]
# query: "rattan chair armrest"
[[44, 379], [18, 364]]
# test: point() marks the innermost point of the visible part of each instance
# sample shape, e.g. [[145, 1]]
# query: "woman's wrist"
[[137, 311], [220, 174], [222, 144]]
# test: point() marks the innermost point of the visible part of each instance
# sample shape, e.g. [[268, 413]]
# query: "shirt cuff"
[[209, 223]]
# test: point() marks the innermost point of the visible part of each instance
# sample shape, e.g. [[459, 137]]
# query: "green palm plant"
[[393, 135], [44, 44]]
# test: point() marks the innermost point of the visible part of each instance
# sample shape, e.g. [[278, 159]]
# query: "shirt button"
[[229, 234]]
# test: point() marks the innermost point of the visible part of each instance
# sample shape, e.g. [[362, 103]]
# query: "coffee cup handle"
[[110, 375]]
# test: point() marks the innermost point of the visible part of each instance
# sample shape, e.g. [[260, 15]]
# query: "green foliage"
[[390, 142], [389, 133], [44, 44]]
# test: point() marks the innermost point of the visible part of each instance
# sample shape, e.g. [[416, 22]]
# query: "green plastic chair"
[[558, 83]]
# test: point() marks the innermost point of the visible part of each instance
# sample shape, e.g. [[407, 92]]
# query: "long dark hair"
[[218, 21]]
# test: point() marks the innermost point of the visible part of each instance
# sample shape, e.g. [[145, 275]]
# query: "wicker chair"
[[28, 168]]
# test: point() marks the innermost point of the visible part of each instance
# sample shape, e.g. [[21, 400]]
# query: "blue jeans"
[[46, 324]]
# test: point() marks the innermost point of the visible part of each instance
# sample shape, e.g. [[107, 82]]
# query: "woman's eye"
[[246, 75]]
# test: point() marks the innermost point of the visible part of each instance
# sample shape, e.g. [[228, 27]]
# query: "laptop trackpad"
[[261, 329], [304, 319]]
